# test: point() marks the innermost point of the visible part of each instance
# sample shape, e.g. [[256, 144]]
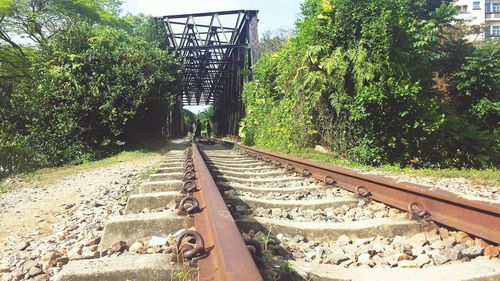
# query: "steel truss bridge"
[[218, 50]]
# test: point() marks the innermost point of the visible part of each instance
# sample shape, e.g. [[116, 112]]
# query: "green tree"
[[371, 80], [272, 41], [471, 134], [103, 87], [78, 81]]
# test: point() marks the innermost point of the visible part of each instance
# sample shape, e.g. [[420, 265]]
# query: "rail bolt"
[[362, 191], [189, 175], [417, 211], [289, 167], [254, 247], [193, 208], [189, 187], [187, 252], [277, 163], [306, 172], [189, 168], [329, 180]]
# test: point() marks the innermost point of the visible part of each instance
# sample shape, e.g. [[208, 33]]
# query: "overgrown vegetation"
[[487, 176], [272, 41], [379, 82], [46, 176], [85, 83], [188, 118], [205, 116]]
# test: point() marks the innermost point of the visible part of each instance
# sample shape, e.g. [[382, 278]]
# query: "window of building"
[[495, 30], [492, 7], [463, 8], [476, 5], [496, 7]]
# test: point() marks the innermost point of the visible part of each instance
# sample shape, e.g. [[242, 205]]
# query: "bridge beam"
[[217, 47]]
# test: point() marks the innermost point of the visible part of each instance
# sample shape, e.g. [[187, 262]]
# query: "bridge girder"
[[217, 48], [212, 44]]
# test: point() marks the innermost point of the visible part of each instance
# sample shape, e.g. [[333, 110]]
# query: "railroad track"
[[288, 219], [331, 224]]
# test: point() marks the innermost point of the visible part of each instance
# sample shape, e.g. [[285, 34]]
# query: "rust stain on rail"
[[480, 219], [228, 257]]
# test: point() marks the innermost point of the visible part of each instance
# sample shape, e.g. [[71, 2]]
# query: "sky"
[[273, 14]]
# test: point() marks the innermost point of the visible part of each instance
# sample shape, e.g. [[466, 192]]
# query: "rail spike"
[[254, 247], [329, 180], [417, 211], [194, 208], [189, 175], [188, 162], [362, 191], [187, 251], [306, 173], [189, 187], [189, 168]]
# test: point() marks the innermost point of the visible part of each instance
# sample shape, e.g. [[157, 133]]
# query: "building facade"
[[482, 15]]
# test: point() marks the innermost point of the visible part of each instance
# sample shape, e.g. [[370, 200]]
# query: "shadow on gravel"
[[162, 145], [274, 263]]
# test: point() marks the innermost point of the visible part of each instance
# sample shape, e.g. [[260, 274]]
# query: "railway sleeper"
[[131, 228], [126, 230], [156, 200], [239, 174], [281, 237], [255, 203], [481, 270], [266, 190], [160, 186], [154, 267]]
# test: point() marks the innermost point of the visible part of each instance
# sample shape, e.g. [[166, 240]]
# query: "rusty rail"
[[227, 258], [480, 219]]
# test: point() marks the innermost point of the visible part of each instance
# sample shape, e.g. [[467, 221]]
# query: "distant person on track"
[[209, 129], [193, 126], [198, 128]]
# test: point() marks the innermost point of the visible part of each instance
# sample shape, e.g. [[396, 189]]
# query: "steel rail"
[[228, 257], [479, 218]]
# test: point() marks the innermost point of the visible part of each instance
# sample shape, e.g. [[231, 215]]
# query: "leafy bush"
[[92, 82], [377, 81], [15, 159], [95, 87]]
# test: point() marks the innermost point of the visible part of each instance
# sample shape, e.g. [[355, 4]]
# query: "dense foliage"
[[272, 41], [90, 82], [188, 119], [379, 81]]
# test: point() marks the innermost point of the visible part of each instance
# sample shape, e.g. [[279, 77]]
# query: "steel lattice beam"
[[215, 47]]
